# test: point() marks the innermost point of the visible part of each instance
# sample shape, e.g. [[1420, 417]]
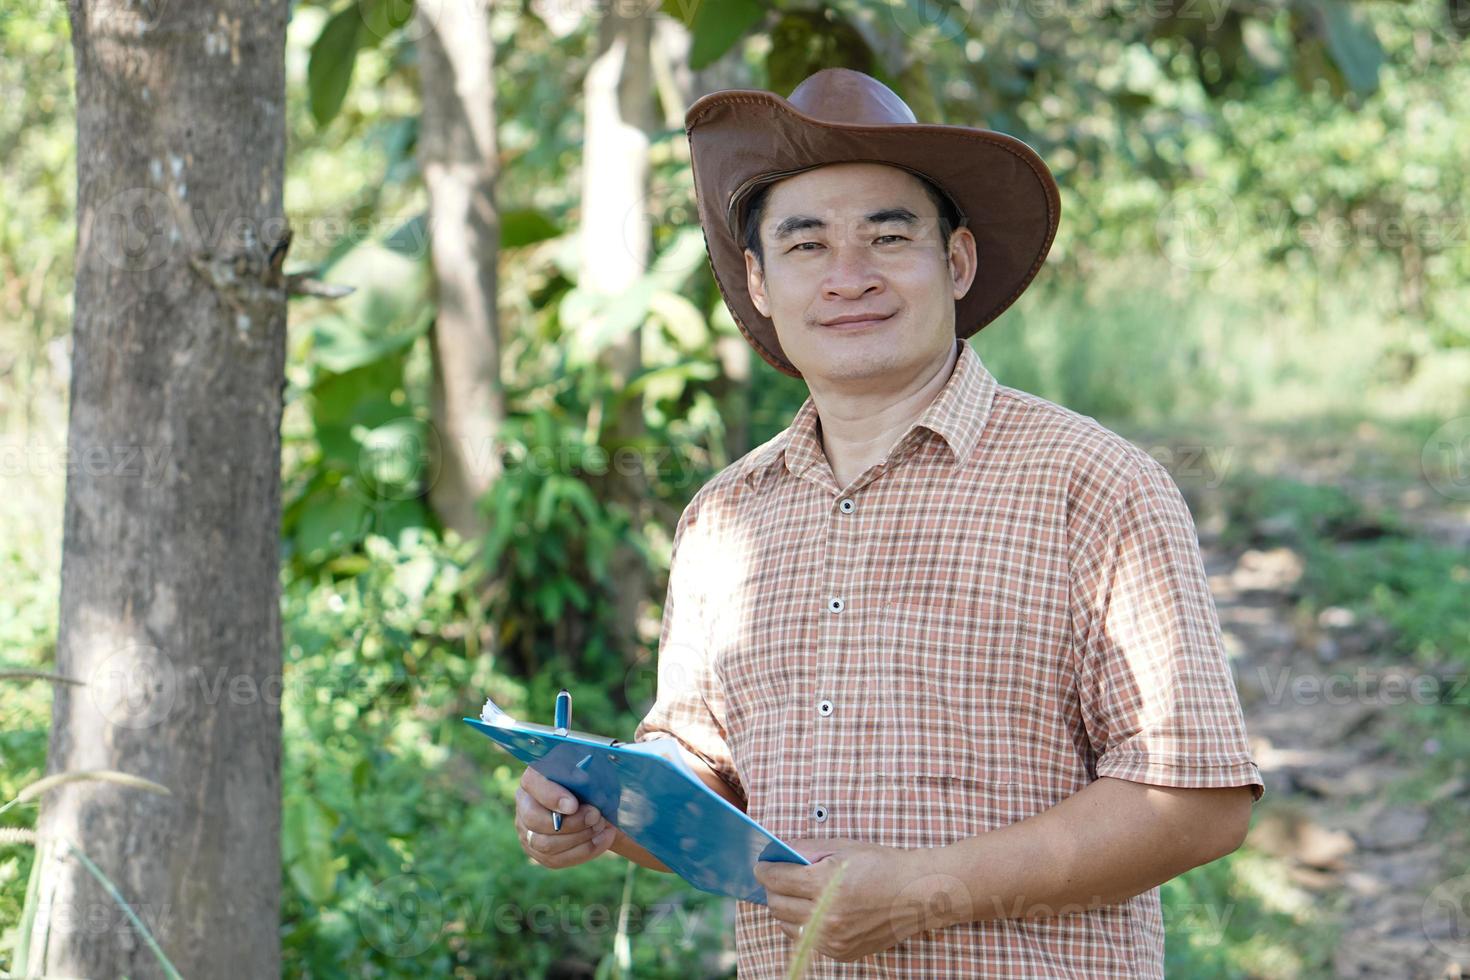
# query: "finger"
[[552, 796], [785, 878], [549, 845], [788, 909], [814, 850], [599, 843], [533, 816]]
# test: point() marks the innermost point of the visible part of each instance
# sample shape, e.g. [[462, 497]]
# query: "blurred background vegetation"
[[1263, 253]]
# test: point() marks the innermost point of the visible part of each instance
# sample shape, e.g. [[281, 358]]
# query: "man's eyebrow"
[[797, 222], [803, 222], [900, 215]]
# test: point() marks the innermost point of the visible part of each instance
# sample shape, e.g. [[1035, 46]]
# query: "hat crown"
[[841, 95]]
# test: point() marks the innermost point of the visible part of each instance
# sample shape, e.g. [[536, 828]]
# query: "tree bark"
[[169, 595], [614, 249], [732, 388], [457, 154]]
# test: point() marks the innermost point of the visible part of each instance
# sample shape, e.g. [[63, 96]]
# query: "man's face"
[[858, 240]]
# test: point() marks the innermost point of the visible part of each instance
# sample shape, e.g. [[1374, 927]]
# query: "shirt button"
[[819, 813], [824, 707], [847, 506], [836, 605]]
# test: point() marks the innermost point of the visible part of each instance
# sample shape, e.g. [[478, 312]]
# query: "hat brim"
[[741, 139]]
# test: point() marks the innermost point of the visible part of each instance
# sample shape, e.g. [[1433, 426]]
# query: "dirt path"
[[1323, 703]]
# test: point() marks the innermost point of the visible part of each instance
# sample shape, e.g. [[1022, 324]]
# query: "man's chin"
[[851, 366]]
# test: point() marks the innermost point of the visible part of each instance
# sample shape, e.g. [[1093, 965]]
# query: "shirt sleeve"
[[1158, 700], [690, 702]]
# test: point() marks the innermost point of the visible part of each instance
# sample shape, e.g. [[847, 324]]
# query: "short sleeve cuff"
[[1139, 769]]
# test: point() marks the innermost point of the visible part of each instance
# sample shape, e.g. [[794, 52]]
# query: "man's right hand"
[[584, 833]]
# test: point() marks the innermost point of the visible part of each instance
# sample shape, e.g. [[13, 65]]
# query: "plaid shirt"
[[1009, 606]]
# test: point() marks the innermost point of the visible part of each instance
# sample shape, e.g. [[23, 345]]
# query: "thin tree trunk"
[[732, 388], [615, 243], [457, 153], [169, 595]]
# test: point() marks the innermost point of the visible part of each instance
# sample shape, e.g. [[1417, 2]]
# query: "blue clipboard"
[[648, 791]]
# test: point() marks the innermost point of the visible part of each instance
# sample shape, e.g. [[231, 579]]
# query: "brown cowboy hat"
[[741, 139]]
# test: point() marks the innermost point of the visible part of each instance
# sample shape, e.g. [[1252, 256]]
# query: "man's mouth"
[[856, 321]]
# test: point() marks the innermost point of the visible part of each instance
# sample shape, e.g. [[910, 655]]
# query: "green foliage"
[[332, 59], [1416, 585], [715, 26], [1352, 52], [1268, 509], [399, 848], [806, 41], [1240, 917], [37, 233], [360, 24], [552, 539], [368, 454]]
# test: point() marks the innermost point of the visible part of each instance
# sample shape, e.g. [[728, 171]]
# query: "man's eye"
[[896, 238], [802, 246]]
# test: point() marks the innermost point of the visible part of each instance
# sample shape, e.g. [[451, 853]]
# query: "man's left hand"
[[878, 904]]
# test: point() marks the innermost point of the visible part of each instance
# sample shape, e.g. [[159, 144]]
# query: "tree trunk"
[[615, 243], [732, 388], [169, 595], [457, 154]]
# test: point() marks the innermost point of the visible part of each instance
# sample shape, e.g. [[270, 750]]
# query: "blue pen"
[[563, 722]]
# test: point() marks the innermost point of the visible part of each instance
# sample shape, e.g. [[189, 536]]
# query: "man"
[[944, 635]]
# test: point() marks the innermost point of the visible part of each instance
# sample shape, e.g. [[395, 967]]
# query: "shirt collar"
[[957, 414]]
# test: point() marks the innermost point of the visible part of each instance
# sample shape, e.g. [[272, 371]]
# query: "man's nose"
[[851, 275]]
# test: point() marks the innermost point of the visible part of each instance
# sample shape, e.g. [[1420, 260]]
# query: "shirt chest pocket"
[[948, 672]]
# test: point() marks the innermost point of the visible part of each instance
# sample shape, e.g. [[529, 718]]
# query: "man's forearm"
[[1105, 844], [623, 844]]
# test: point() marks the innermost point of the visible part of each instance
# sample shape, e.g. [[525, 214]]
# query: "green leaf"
[[581, 497], [1351, 43], [340, 346], [386, 312], [331, 524], [680, 259], [306, 848], [686, 324], [669, 380], [362, 396], [717, 25], [546, 503], [382, 17], [329, 71], [684, 11], [806, 41], [596, 321], [523, 227], [410, 238]]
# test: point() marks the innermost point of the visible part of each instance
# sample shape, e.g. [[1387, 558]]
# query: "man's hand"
[[584, 834], [880, 901]]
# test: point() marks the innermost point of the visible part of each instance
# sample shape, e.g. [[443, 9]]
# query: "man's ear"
[[755, 282], [963, 261]]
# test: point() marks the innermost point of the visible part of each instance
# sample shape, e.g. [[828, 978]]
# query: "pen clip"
[[562, 719]]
